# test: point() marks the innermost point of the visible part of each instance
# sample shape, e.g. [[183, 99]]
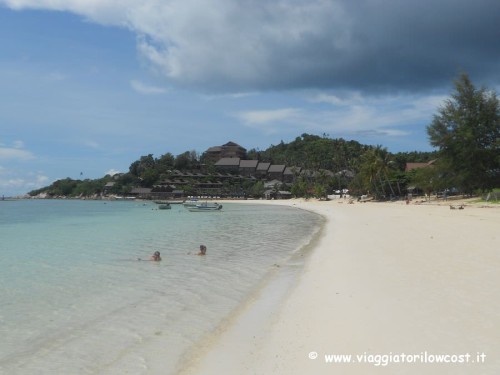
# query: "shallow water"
[[75, 300]]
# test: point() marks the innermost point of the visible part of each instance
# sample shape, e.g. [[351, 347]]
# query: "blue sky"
[[89, 86]]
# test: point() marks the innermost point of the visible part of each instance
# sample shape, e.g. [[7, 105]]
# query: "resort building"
[[275, 171], [108, 187], [262, 169], [248, 167], [228, 150], [228, 165]]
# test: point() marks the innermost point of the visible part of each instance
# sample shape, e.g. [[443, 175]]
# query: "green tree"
[[63, 187], [149, 177], [300, 187], [425, 179], [466, 132], [165, 163], [186, 160], [319, 191], [139, 166], [374, 171], [257, 189]]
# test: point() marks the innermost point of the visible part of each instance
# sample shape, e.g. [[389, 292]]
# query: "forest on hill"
[[333, 164]]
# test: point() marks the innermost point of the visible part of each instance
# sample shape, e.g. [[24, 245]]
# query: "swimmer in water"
[[156, 256], [203, 250]]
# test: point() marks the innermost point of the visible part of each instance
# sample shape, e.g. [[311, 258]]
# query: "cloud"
[[239, 46], [347, 99], [18, 144], [14, 181], [91, 144], [267, 116], [142, 88], [112, 172], [389, 116], [15, 153]]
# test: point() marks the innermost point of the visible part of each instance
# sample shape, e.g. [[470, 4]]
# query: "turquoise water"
[[75, 300]]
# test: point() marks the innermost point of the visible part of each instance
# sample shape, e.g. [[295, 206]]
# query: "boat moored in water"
[[205, 207]]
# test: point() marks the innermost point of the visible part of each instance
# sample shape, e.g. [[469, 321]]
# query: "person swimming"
[[156, 257], [203, 250]]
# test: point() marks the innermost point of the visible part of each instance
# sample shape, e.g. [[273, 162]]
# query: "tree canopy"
[[466, 131]]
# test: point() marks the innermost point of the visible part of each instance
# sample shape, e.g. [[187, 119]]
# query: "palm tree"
[[383, 162], [374, 170]]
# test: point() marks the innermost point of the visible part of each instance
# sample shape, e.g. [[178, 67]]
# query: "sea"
[[77, 295]]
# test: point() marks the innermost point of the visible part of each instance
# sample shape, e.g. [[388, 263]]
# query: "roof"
[[232, 144], [292, 170], [226, 162], [215, 149], [411, 166], [249, 163], [110, 184], [140, 190], [263, 166], [270, 184], [276, 168]]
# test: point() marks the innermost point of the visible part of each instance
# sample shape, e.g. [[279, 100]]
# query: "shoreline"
[[383, 278]]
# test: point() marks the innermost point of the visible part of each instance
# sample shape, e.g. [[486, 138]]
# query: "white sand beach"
[[391, 285]]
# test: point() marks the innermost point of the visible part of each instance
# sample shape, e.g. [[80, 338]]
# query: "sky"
[[89, 86]]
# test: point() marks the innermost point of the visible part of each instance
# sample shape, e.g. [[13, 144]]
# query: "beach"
[[387, 288]]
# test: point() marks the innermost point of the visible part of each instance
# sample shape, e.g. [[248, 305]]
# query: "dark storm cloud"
[[398, 45], [367, 45], [362, 45], [411, 45]]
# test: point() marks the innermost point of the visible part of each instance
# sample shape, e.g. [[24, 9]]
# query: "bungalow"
[[108, 187], [228, 165], [248, 167], [261, 170], [163, 188], [209, 188], [275, 171], [140, 192], [273, 194], [290, 173]]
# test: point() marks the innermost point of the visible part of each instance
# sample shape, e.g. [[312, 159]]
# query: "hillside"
[[321, 164]]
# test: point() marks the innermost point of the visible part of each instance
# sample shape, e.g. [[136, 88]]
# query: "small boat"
[[191, 203], [205, 207], [165, 206], [174, 201]]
